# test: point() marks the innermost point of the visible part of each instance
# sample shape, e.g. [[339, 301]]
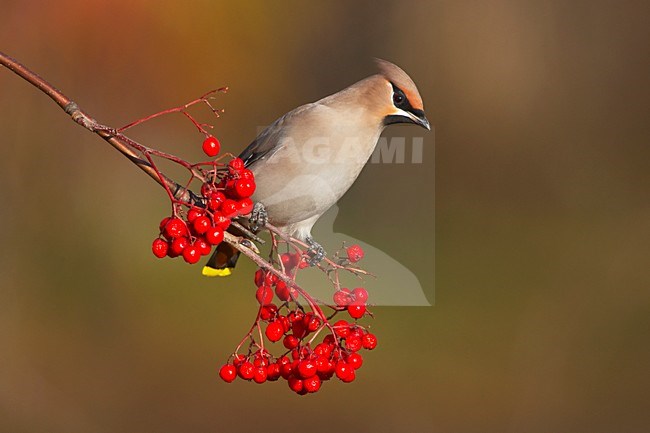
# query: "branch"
[[129, 148], [337, 354], [125, 145]]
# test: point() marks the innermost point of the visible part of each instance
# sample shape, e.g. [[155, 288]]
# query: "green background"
[[541, 209]]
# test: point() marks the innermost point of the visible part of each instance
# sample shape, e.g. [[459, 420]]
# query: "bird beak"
[[424, 122], [419, 118], [401, 116]]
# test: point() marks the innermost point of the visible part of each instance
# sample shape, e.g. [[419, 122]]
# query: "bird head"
[[399, 98]]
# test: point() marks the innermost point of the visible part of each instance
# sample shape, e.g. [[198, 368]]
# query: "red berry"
[[342, 328], [245, 206], [268, 311], [260, 374], [214, 235], [306, 368], [290, 342], [203, 246], [273, 372], [296, 316], [355, 253], [211, 146], [360, 295], [342, 370], [307, 317], [289, 260], [215, 200], [206, 189], [246, 370], [350, 377], [342, 297], [356, 331], [295, 384], [236, 164], [298, 328], [163, 223], [171, 253], [193, 214], [323, 349], [353, 343], [175, 228], [228, 373], [246, 174], [229, 208], [159, 248], [201, 224], [369, 341], [244, 188], [213, 205], [179, 245], [218, 196], [321, 363], [274, 331], [282, 291], [260, 361], [354, 360], [285, 323], [221, 221], [191, 254], [328, 370], [356, 311], [260, 276], [313, 324], [264, 295], [286, 368], [311, 384]]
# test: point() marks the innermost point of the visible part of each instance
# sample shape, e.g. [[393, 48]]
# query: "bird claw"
[[259, 217], [316, 252]]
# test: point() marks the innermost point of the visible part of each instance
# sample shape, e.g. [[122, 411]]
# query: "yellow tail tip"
[[212, 272]]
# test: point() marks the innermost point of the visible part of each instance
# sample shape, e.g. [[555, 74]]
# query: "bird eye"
[[398, 97]]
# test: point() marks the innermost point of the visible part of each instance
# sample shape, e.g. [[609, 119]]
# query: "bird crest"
[[400, 79]]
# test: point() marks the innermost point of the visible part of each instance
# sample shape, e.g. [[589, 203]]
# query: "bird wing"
[[269, 141]]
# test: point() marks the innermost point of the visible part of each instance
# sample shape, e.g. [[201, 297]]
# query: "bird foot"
[[315, 252], [259, 217]]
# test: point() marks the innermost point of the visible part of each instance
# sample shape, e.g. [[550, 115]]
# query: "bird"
[[306, 160]]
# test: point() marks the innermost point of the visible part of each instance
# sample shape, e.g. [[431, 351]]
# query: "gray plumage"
[[306, 160]]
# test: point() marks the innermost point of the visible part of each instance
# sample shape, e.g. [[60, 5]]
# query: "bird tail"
[[222, 261]]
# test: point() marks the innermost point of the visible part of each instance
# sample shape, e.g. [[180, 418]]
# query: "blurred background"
[[540, 160]]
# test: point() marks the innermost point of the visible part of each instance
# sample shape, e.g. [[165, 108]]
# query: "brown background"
[[541, 236]]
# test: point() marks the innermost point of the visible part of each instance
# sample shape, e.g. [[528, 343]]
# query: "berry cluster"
[[313, 347], [225, 196], [305, 363]]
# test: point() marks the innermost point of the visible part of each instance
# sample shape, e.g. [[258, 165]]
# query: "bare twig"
[[204, 98]]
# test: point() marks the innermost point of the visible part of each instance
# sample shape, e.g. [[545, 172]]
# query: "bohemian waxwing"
[[307, 159]]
